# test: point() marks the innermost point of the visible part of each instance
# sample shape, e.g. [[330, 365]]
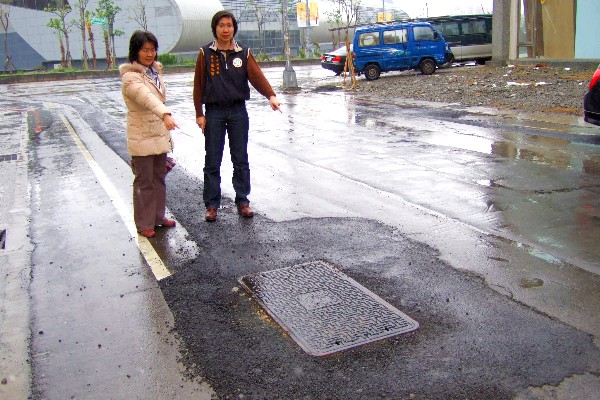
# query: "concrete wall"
[[500, 32], [588, 29], [558, 21], [559, 30]]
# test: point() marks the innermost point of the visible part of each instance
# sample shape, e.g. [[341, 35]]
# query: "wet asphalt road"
[[480, 225]]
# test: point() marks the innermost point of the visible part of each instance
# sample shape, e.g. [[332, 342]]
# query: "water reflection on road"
[[501, 174]]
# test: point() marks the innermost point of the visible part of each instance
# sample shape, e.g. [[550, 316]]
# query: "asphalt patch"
[[472, 342]]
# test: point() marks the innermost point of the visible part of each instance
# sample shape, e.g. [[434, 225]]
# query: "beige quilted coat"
[[146, 131]]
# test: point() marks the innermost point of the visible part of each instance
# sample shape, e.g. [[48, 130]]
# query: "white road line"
[[159, 269]]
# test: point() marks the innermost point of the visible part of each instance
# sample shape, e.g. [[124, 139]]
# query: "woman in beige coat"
[[148, 138]]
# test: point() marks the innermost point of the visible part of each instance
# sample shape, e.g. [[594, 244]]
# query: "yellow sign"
[[301, 13], [388, 17]]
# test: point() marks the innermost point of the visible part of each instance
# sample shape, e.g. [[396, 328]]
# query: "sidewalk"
[[100, 327], [15, 252]]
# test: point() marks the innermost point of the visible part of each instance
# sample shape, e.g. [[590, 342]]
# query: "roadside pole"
[[307, 34], [289, 75]]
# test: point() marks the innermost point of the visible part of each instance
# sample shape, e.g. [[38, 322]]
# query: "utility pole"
[[307, 34], [289, 75]]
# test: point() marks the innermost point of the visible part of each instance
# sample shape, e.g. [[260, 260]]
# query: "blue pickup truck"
[[399, 46]]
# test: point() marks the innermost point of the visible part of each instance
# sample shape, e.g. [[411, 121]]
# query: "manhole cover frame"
[[410, 323]]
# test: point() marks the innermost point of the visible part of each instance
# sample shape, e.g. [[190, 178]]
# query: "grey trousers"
[[149, 190]]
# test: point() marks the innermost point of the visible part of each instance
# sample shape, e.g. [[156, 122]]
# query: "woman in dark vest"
[[223, 70]]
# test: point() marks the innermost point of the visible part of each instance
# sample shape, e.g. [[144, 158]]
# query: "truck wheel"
[[427, 66], [372, 72]]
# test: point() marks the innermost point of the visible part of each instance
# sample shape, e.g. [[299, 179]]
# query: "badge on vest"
[[237, 62]]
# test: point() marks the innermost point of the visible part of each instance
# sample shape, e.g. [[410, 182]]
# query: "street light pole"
[[307, 34], [289, 75]]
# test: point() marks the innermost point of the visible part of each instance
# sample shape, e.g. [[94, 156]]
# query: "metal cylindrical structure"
[[195, 19]]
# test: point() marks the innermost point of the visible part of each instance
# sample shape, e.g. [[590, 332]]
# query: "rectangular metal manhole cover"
[[324, 310]]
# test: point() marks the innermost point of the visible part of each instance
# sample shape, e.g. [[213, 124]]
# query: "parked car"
[[335, 60], [469, 36], [399, 46], [591, 100]]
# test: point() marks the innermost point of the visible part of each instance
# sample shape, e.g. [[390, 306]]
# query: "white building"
[[179, 25]]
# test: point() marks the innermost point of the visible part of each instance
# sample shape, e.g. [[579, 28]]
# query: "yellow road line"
[[157, 266]]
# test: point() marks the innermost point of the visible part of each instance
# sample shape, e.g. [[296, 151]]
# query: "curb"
[[112, 73]]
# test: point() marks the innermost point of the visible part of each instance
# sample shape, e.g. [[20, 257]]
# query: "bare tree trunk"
[[69, 58], [261, 29], [63, 60], [111, 33], [107, 48], [84, 56], [88, 25], [68, 53], [5, 17]]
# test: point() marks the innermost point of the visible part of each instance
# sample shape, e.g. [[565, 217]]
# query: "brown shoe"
[[245, 211], [147, 233], [167, 223], [211, 214]]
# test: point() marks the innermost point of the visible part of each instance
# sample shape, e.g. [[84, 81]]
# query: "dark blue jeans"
[[233, 120]]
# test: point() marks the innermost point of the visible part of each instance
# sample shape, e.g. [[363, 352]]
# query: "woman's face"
[[147, 54], [225, 29]]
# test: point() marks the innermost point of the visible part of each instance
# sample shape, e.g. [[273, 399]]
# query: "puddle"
[[528, 283]]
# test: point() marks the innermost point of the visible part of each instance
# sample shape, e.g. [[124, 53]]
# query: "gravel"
[[539, 88]]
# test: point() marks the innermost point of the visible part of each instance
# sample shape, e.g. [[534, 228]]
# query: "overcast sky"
[[432, 8]]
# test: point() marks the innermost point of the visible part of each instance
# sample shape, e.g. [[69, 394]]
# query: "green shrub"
[[186, 61], [167, 59], [262, 57]]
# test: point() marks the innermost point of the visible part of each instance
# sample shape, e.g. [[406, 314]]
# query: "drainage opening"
[[9, 157], [2, 238]]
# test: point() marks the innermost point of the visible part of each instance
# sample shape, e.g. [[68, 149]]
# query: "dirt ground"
[[537, 88]]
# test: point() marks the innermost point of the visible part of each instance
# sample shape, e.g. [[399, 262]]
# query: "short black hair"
[[217, 17], [138, 39]]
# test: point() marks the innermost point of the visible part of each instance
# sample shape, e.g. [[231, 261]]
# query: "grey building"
[[260, 24]]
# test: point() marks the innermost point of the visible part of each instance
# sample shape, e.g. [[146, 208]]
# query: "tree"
[[347, 14], [106, 40], [139, 13], [88, 26], [5, 19], [335, 18], [108, 10], [81, 24], [259, 11], [61, 10], [264, 11]]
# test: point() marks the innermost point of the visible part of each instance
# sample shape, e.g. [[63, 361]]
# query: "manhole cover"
[[324, 310]]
